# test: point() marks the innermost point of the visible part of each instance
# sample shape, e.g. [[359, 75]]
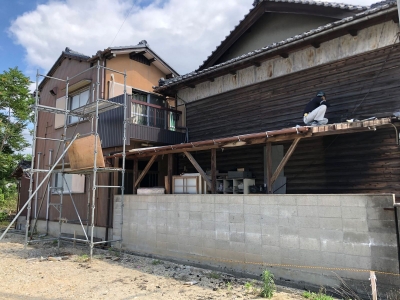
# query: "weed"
[[251, 288], [82, 258], [213, 275], [114, 252], [268, 288], [229, 287], [321, 295], [156, 262]]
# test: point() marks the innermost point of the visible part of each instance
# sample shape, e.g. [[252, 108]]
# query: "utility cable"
[[133, 5]]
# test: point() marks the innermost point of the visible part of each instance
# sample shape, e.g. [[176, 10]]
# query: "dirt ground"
[[44, 272]]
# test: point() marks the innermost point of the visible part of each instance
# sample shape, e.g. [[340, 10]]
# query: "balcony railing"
[[147, 114]]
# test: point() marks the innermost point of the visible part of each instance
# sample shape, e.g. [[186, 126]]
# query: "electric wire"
[[133, 5]]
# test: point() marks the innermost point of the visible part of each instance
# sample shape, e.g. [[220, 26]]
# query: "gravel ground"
[[44, 272]]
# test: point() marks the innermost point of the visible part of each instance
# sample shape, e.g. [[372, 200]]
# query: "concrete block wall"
[[244, 233]]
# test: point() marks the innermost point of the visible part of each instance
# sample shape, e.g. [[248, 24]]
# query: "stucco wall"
[[273, 27], [327, 231], [368, 39]]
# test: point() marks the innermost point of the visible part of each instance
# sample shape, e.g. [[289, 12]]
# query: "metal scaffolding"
[[90, 110]]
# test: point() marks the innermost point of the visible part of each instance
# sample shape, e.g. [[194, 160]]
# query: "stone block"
[[380, 201], [221, 207], [287, 200], [288, 230], [287, 211], [222, 244], [331, 223], [333, 200], [331, 246], [332, 259], [271, 254], [357, 249], [252, 219], [383, 239], [196, 232], [209, 243], [385, 265], [289, 241], [237, 237], [195, 216], [222, 217], [311, 258], [269, 210], [253, 238], [206, 225], [252, 228], [251, 200], [354, 213], [330, 211], [378, 213], [381, 226], [307, 222], [236, 209], [184, 230], [208, 234], [223, 199], [252, 209], [195, 206], [208, 252], [222, 226], [253, 248], [357, 262], [162, 228], [351, 201], [270, 240], [334, 235], [236, 227], [207, 199], [268, 200], [208, 216], [207, 207], [306, 200], [307, 211], [162, 205], [238, 246], [253, 258], [184, 206], [288, 222], [356, 237], [236, 218], [384, 252], [355, 225], [236, 199], [222, 235], [310, 244], [269, 221]]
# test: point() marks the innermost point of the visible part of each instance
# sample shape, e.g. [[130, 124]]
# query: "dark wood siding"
[[361, 86], [358, 86], [350, 163]]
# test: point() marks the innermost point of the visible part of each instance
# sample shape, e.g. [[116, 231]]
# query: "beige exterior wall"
[[139, 75]]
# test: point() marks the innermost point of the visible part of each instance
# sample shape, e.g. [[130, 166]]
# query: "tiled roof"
[[371, 11], [305, 2], [71, 52]]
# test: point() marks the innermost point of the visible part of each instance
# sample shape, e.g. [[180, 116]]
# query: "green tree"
[[15, 114]]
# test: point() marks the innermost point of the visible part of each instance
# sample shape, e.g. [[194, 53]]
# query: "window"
[[153, 112], [75, 183], [77, 100]]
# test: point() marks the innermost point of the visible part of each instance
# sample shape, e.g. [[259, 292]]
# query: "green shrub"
[[321, 295], [268, 288]]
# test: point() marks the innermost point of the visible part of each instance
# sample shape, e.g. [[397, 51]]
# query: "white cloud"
[[183, 33]]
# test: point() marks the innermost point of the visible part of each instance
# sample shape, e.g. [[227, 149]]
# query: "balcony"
[[145, 122]]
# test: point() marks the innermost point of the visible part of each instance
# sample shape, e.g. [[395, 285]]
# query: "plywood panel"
[[81, 153]]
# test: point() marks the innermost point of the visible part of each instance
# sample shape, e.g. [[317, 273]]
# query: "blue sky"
[[12, 54]]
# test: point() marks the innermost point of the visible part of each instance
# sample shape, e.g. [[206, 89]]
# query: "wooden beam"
[[192, 86], [198, 168], [151, 60], [284, 161], [213, 171], [170, 169], [211, 79], [146, 169], [257, 64], [233, 72], [268, 167], [284, 55], [135, 173]]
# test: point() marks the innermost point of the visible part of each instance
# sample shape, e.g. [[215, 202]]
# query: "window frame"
[[73, 119]]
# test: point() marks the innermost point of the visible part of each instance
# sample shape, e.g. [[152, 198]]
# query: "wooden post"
[[170, 171], [213, 171], [135, 174], [146, 169], [198, 168], [268, 167], [74, 238], [284, 160], [372, 277]]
